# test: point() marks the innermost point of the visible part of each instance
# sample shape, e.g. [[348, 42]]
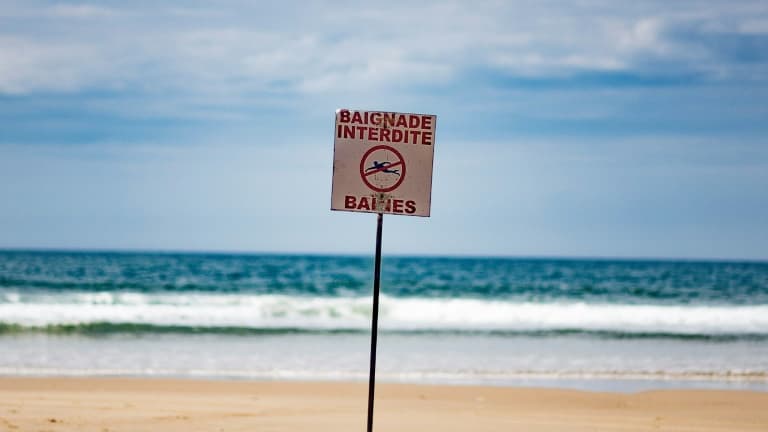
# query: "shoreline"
[[609, 383], [144, 404]]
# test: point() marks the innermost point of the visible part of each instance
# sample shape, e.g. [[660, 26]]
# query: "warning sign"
[[382, 162]]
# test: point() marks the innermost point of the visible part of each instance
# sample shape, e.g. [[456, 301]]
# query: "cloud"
[[329, 47], [80, 11], [27, 65]]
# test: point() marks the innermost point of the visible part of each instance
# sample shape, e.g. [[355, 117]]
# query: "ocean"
[[598, 324]]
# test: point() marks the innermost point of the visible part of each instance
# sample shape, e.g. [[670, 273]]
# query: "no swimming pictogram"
[[382, 168]]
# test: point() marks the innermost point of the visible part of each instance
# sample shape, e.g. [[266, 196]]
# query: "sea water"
[[596, 324]]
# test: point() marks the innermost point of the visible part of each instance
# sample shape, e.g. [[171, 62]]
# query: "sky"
[[591, 128]]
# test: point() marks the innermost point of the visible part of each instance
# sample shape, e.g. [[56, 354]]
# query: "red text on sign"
[[369, 203], [386, 127]]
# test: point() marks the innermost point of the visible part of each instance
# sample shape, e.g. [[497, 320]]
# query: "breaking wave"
[[105, 312]]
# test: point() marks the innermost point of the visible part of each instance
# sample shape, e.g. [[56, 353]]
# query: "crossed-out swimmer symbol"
[[381, 166], [393, 164]]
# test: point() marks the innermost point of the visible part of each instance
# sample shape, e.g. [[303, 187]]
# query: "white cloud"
[[80, 11], [756, 26], [27, 65], [331, 47]]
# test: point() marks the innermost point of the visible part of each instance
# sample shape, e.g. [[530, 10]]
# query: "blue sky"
[[591, 128]]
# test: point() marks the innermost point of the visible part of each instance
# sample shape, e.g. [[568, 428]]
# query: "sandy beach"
[[96, 404]]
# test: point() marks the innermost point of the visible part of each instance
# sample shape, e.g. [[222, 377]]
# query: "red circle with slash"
[[383, 175]]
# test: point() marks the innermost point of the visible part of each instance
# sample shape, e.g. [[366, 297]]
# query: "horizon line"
[[225, 252]]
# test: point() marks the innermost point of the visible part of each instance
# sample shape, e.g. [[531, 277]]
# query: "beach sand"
[[117, 404]]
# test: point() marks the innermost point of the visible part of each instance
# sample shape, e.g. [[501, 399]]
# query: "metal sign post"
[[372, 153], [374, 320]]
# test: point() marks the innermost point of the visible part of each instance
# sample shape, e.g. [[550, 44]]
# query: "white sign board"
[[382, 162]]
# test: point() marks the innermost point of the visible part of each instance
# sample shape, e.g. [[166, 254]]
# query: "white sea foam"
[[323, 313]]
